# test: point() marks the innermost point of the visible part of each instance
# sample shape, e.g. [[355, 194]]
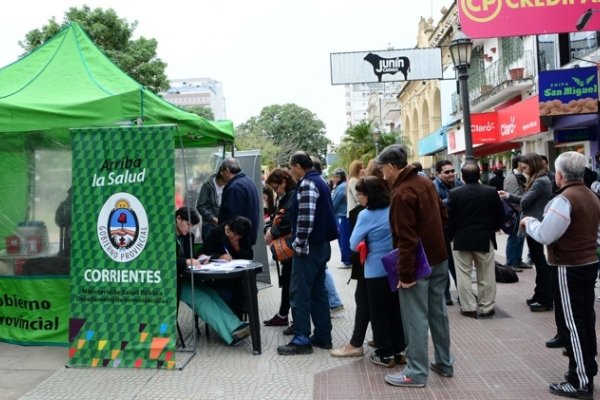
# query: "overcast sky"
[[264, 52]]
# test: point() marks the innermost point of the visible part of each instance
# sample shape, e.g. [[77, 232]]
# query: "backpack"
[[505, 274], [510, 222]]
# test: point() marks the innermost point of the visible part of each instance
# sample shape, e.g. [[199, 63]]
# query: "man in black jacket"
[[475, 213], [240, 196]]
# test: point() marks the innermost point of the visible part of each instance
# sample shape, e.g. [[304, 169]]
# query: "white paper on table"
[[223, 266]]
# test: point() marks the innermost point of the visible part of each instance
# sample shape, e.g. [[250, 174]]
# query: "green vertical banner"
[[123, 273]]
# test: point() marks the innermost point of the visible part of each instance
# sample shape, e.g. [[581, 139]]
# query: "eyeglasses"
[[274, 188], [448, 171]]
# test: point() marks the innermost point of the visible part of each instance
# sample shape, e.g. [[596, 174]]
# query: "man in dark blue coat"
[[313, 227], [240, 196]]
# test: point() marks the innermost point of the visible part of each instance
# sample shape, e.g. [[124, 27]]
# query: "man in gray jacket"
[[514, 183], [209, 201]]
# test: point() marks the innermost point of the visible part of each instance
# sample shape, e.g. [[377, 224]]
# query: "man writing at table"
[[209, 305]]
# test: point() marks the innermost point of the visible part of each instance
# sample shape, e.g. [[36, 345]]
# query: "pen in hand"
[[228, 256]]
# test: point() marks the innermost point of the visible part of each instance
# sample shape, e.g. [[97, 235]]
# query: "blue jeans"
[[514, 249], [308, 296], [334, 297], [343, 225]]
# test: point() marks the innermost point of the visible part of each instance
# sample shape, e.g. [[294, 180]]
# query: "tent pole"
[[191, 249]]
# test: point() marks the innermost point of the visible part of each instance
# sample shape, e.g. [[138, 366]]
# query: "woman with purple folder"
[[372, 226]]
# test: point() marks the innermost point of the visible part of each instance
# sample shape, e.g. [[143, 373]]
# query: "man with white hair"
[[570, 230]]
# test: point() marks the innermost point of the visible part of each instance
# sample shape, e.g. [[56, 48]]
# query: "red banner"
[[484, 128], [519, 120], [499, 18]]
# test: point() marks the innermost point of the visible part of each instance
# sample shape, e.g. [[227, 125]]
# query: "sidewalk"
[[499, 358]]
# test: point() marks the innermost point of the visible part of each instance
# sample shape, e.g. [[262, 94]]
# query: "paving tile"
[[501, 358]]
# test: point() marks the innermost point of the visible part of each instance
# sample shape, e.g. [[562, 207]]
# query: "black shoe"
[[387, 362], [400, 358], [573, 380], [289, 330], [438, 370], [515, 268], [488, 314], [470, 314], [524, 265], [539, 307], [531, 301], [555, 342], [277, 321], [326, 346], [565, 389], [292, 349], [449, 302]]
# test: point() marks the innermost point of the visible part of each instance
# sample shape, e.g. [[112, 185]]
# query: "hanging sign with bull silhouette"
[[386, 66]]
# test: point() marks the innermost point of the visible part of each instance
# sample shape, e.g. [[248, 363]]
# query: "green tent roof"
[[69, 83]]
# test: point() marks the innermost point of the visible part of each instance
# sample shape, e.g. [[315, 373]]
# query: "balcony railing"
[[482, 80]]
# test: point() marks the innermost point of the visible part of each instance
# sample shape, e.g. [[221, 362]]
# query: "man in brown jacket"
[[416, 215]]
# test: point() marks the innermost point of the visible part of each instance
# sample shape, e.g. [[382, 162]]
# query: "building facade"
[[204, 92]]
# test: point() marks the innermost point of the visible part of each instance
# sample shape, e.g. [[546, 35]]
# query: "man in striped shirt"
[[313, 227]]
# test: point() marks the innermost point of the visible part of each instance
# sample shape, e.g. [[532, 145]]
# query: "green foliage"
[[280, 130], [204, 112], [358, 144], [112, 35]]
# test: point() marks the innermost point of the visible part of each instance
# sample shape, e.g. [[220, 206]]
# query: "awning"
[[433, 143], [574, 121], [456, 145], [494, 148]]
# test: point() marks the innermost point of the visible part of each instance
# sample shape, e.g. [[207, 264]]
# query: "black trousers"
[[559, 317], [284, 282], [451, 269], [543, 277], [576, 287], [362, 317], [386, 320]]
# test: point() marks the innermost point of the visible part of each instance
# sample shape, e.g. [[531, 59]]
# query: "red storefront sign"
[[519, 120], [499, 18], [484, 128]]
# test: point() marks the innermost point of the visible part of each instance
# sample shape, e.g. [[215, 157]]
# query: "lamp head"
[[376, 134], [461, 47]]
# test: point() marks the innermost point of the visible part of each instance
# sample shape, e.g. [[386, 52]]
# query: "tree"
[[204, 112], [358, 144], [112, 35], [289, 128]]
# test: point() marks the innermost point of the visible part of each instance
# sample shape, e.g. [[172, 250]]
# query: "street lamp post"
[[376, 138], [460, 50]]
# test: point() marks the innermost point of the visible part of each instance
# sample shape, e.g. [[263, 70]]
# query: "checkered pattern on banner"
[[123, 313]]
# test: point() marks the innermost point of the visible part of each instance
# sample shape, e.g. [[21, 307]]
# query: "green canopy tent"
[[69, 83]]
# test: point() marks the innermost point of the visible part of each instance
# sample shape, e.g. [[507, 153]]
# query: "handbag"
[[282, 248], [390, 263], [510, 221], [362, 251]]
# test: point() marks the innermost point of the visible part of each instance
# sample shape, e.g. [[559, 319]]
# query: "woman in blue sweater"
[[373, 227]]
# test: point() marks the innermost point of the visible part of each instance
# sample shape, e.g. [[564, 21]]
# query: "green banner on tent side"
[[123, 274], [28, 316]]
